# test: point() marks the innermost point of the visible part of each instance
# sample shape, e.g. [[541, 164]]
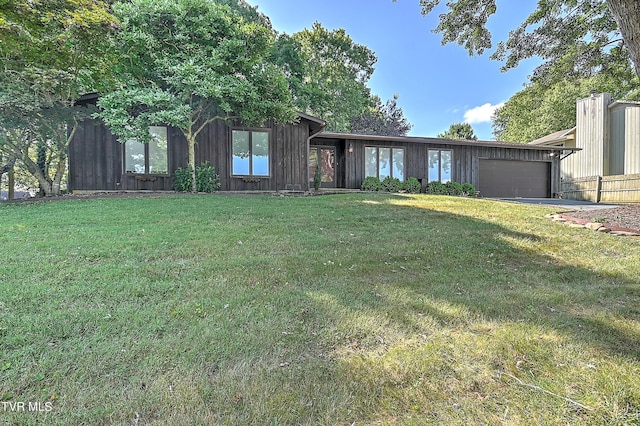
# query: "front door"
[[326, 157]]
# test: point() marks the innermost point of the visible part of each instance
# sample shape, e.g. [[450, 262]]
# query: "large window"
[[250, 152], [439, 165], [383, 162], [147, 158]]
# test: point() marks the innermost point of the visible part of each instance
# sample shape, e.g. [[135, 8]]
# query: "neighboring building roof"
[[556, 137], [627, 103], [454, 142]]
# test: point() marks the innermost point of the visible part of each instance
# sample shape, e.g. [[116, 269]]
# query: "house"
[[608, 135], [603, 151], [284, 157]]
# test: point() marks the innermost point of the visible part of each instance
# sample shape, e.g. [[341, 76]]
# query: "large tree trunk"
[[627, 16]]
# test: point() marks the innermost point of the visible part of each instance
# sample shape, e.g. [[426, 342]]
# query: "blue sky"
[[438, 85]]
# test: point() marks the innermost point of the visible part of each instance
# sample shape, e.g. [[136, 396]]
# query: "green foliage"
[[573, 38], [213, 66], [371, 183], [383, 120], [462, 131], [412, 185], [52, 51], [317, 178], [451, 188], [207, 180], [391, 184], [540, 109], [468, 190], [335, 76]]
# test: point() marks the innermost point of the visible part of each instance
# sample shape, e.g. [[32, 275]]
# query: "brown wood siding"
[[465, 159], [96, 157]]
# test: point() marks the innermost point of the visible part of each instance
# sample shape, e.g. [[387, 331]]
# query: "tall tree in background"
[[383, 120], [573, 37], [336, 76], [51, 53], [187, 63], [540, 109], [462, 131]]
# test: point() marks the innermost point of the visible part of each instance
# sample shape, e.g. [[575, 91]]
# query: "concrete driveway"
[[560, 203]]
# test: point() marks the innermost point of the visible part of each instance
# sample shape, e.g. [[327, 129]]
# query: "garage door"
[[505, 178]]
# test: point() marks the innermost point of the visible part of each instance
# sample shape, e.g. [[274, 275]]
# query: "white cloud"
[[481, 114]]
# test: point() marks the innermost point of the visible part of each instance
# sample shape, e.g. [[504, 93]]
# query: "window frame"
[[391, 157], [440, 151], [146, 153], [251, 131]]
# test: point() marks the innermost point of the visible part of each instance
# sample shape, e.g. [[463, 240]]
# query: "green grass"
[[362, 308]]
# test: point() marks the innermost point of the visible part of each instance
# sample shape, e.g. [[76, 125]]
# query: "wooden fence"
[[603, 189]]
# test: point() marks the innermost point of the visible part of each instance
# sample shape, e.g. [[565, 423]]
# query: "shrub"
[[468, 190], [436, 188], [412, 185], [317, 178], [451, 188], [371, 183], [207, 180], [391, 184]]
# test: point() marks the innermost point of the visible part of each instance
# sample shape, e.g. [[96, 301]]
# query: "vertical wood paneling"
[[617, 137], [632, 140]]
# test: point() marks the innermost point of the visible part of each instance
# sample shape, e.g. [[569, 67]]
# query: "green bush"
[[371, 183], [391, 184], [454, 188], [436, 188], [468, 190], [207, 180], [412, 185], [317, 178], [451, 188]]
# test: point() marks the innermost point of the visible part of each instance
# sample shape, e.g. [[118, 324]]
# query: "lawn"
[[346, 309]]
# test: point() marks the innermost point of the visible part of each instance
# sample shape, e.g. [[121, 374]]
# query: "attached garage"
[[509, 178]]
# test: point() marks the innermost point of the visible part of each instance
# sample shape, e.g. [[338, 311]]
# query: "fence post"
[[598, 188]]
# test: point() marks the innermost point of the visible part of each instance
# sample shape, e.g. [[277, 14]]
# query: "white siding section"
[[632, 140]]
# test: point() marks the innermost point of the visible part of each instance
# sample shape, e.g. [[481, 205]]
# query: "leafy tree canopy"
[[384, 120], [187, 63], [573, 37], [540, 109], [462, 131], [335, 75], [52, 51]]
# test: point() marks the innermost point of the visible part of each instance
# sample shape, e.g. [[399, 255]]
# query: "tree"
[[334, 85], [573, 37], [384, 120], [187, 63], [51, 54], [540, 109], [462, 131]]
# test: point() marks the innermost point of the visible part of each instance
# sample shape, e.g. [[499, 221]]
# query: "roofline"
[[561, 136], [629, 103], [312, 118], [441, 141]]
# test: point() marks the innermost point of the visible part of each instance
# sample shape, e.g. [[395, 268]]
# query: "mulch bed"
[[622, 218]]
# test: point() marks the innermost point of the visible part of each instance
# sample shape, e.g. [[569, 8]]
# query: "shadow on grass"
[[501, 275]]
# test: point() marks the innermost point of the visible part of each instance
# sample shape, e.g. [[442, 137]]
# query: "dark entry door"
[[326, 158]]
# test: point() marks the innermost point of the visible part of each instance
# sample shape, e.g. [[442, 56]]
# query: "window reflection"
[[384, 162], [250, 156]]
